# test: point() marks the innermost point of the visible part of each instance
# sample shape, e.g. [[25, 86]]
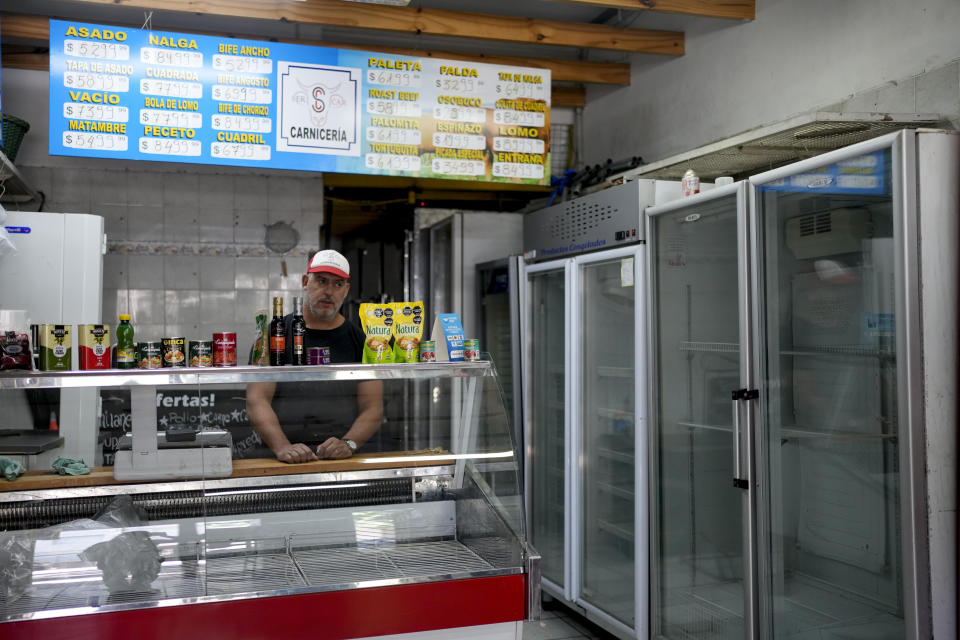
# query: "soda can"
[[174, 352], [471, 349], [150, 355], [318, 355], [428, 351], [225, 349], [200, 353]]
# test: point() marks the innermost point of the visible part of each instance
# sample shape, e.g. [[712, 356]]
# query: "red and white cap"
[[329, 261]]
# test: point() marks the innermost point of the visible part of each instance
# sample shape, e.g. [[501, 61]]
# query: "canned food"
[[471, 349], [200, 353], [318, 355], [149, 355], [428, 351], [174, 354], [225, 349]]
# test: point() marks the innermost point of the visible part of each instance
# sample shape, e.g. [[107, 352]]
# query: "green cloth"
[[70, 467], [10, 468]]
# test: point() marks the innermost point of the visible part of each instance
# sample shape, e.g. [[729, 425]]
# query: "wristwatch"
[[351, 444]]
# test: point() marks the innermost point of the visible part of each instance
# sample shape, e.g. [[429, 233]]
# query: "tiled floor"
[[559, 623]]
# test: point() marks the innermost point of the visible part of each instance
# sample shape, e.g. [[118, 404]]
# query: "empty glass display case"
[[184, 539]]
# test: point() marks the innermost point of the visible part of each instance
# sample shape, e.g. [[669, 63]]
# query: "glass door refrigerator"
[[803, 332], [583, 342]]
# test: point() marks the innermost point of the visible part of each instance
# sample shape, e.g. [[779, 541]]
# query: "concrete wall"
[[186, 253], [795, 57]]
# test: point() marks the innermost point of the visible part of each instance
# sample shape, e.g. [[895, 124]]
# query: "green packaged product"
[[55, 347], [377, 320], [260, 353]]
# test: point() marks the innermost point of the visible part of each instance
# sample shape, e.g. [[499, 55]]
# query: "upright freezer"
[[583, 345], [803, 340]]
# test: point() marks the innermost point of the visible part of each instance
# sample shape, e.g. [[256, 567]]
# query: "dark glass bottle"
[[298, 329], [278, 335]]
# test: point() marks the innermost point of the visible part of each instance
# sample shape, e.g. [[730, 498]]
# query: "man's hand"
[[334, 449], [294, 453]]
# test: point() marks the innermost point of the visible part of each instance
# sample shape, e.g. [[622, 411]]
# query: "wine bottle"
[[278, 335], [298, 330]]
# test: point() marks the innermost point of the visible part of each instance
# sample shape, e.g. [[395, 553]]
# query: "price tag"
[[185, 90], [518, 170], [249, 95], [393, 135], [240, 151], [242, 64], [247, 124], [170, 146], [96, 82], [102, 112], [393, 108], [525, 118], [96, 50], [519, 145], [171, 57], [460, 114], [394, 78], [94, 141], [167, 118], [392, 162], [459, 141]]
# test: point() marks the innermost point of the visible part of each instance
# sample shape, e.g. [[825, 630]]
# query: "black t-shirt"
[[311, 412]]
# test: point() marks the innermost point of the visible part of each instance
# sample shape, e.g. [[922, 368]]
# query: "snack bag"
[[15, 351], [377, 320], [407, 330], [259, 353]]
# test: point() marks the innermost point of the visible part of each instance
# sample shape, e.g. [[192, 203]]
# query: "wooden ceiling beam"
[[417, 20], [38, 28], [19, 57], [733, 9]]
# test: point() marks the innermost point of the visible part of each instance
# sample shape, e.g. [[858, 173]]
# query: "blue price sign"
[[148, 95]]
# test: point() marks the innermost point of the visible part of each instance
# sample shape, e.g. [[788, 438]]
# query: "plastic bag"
[[16, 565], [129, 562]]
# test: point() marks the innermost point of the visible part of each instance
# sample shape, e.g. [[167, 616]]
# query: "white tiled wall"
[[186, 248]]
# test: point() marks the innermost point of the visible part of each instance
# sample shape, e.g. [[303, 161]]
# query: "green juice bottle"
[[126, 354]]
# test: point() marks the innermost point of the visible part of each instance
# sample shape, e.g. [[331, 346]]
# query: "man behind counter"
[[319, 412]]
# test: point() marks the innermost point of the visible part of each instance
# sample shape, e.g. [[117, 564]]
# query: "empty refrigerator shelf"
[[620, 529], [307, 569], [619, 456], [252, 573], [347, 565], [83, 586], [839, 350], [712, 427], [712, 347], [615, 372], [614, 414], [617, 491], [852, 436]]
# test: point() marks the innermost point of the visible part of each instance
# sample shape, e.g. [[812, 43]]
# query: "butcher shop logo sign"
[[319, 109]]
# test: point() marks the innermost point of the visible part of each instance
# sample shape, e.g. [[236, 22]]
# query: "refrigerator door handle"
[[737, 395]]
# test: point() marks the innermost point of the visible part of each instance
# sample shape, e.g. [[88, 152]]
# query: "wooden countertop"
[[243, 468]]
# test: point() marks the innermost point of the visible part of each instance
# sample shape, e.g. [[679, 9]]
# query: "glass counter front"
[[186, 516]]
